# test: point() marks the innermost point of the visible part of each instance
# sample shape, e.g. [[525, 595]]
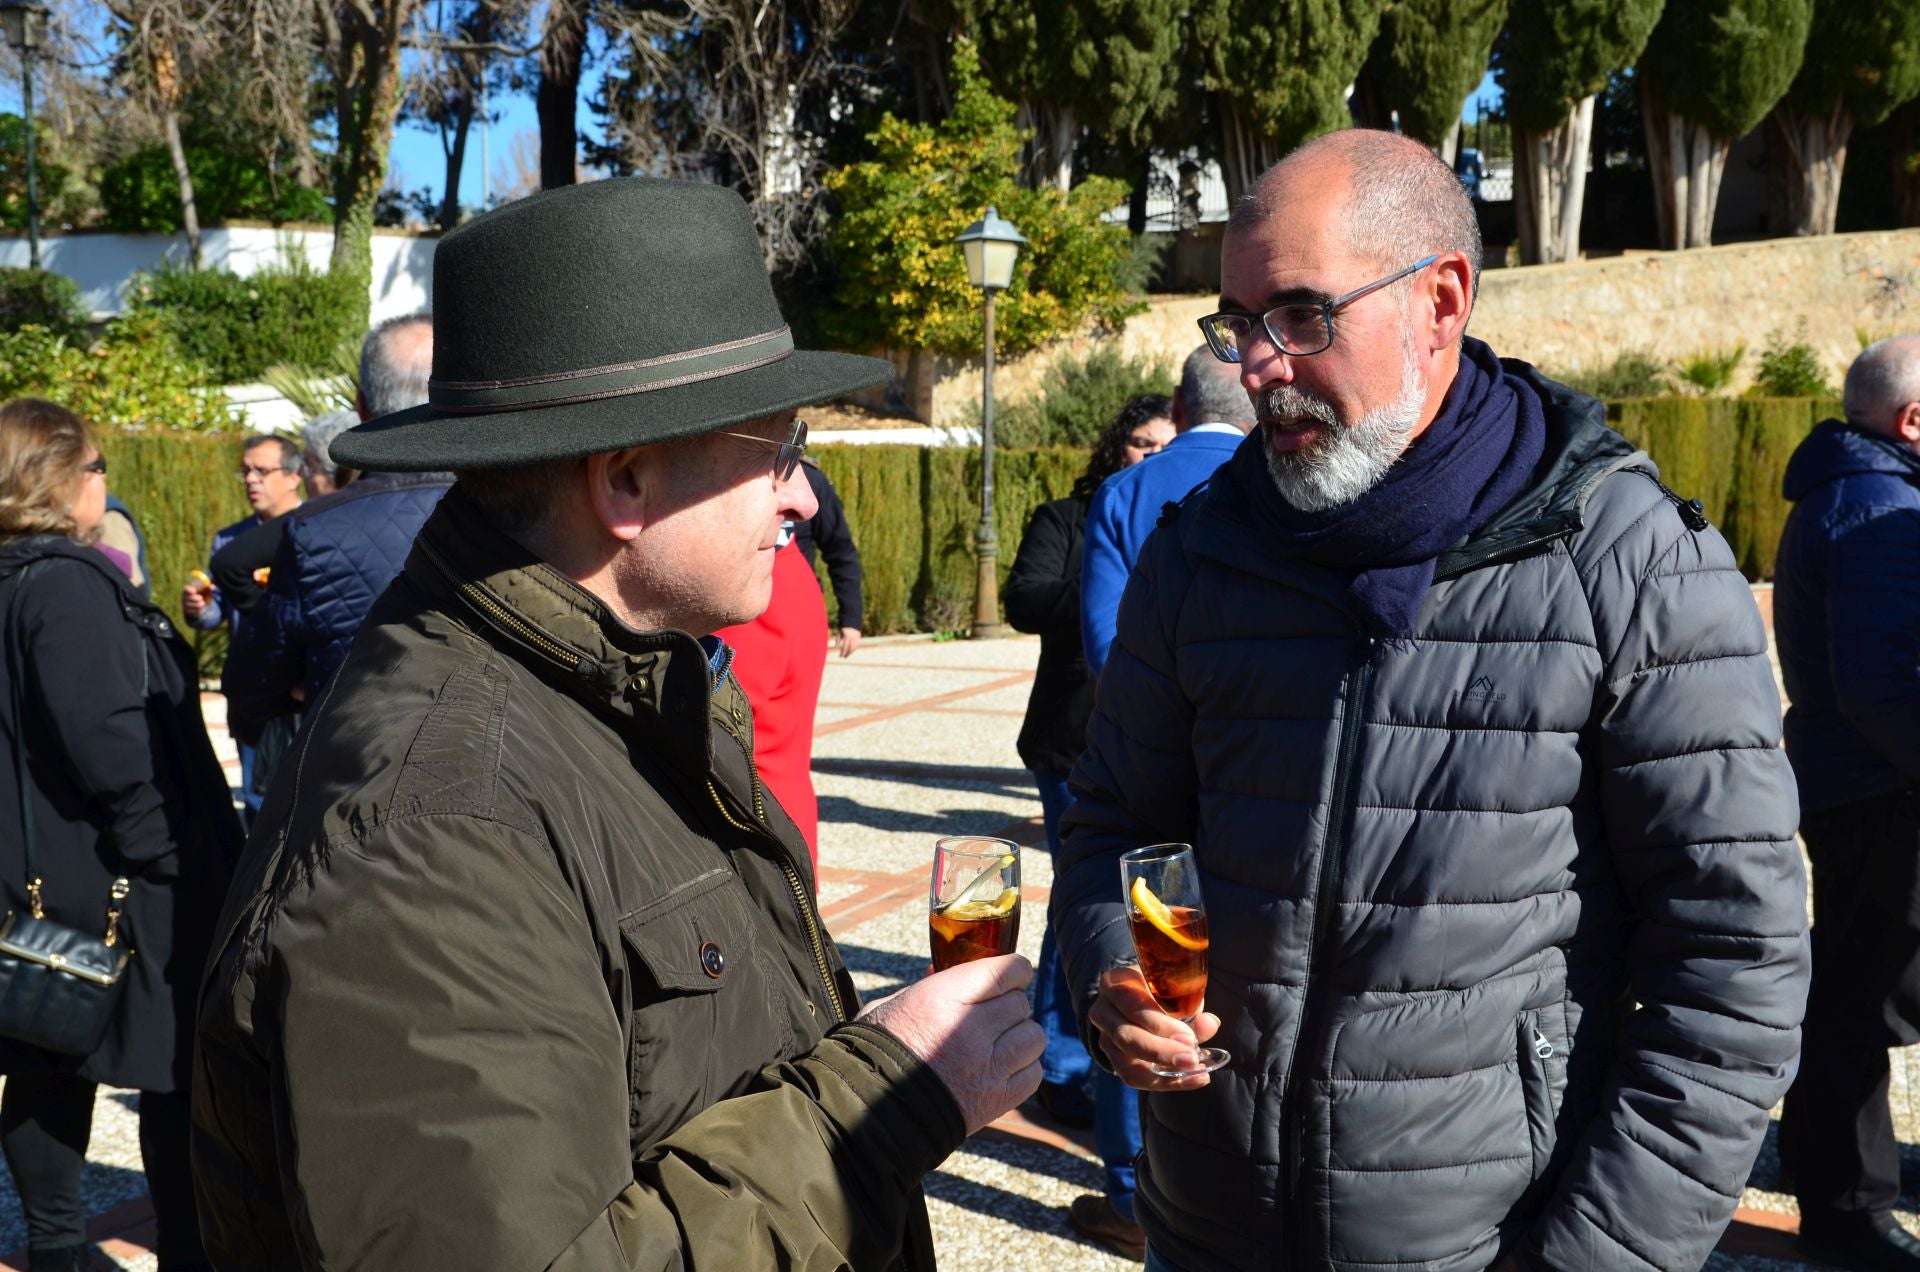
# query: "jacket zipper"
[[1294, 1101], [793, 881]]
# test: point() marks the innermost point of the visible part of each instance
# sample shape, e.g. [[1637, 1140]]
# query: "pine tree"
[[1429, 56], [1711, 72], [1278, 73], [1553, 58], [1862, 62]]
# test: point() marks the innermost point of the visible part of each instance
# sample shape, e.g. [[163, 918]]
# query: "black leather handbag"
[[58, 985]]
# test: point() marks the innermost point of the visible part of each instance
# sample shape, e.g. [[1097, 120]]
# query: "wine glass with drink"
[[1168, 918], [974, 901]]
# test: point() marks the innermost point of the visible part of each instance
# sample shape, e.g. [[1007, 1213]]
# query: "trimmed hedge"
[[181, 489], [914, 509], [1729, 453], [239, 325]]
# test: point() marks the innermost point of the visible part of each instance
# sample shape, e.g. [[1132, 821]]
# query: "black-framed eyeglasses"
[[99, 465], [787, 457], [1298, 328]]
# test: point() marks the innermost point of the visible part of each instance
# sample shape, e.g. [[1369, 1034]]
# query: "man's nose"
[[1262, 364], [796, 496]]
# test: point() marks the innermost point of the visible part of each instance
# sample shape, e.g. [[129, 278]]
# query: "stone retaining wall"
[[1587, 313]]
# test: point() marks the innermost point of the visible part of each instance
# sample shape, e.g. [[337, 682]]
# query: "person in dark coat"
[[338, 552], [826, 535], [123, 783], [1470, 723], [1846, 606], [1042, 596]]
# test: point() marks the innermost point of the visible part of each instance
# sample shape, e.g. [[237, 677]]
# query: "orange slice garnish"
[[1155, 911]]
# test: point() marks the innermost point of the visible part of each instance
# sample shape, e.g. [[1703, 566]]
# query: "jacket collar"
[[658, 683], [1581, 450]]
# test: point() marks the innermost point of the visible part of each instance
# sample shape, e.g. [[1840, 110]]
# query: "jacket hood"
[[1837, 449]]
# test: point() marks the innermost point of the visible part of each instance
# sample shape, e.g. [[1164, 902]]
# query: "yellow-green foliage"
[[181, 489], [134, 376], [903, 282]]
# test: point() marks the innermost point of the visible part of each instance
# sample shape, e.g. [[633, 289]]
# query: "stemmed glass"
[[974, 900], [1168, 918]]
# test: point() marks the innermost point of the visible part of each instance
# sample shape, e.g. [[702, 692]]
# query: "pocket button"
[[712, 960]]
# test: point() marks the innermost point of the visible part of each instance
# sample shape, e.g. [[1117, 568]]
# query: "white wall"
[[102, 263]]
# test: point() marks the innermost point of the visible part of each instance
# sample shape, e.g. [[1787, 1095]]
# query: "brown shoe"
[[1092, 1215]]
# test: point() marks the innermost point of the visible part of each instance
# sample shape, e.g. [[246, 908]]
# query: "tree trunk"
[[1687, 163], [367, 101], [1906, 159], [1806, 157], [189, 215], [557, 97], [1243, 156], [1137, 200], [1449, 149], [1370, 109], [1550, 187], [1049, 160], [456, 155]]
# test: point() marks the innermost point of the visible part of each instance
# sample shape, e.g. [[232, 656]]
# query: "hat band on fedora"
[[483, 397]]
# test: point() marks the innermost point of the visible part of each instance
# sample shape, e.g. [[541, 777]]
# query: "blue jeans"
[[247, 796], [1116, 1106]]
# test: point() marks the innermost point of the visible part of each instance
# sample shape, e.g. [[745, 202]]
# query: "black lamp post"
[[25, 26], [991, 246]]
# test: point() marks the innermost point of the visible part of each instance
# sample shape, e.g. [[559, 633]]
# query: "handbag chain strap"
[[17, 656]]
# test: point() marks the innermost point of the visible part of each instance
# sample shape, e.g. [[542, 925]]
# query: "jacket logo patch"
[[1482, 690]]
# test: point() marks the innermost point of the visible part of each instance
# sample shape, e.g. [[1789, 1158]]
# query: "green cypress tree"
[[1553, 58], [1109, 66], [1429, 55], [1862, 62], [1278, 73], [1711, 72]]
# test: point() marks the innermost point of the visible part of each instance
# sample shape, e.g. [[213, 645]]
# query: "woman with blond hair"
[[106, 768]]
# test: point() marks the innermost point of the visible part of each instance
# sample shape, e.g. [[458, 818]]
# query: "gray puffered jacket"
[[1439, 881]]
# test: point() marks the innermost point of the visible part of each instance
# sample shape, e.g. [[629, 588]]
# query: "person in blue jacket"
[[1847, 619], [1211, 413]]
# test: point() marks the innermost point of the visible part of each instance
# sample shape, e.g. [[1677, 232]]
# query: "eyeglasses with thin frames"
[[787, 456], [255, 470], [1298, 328]]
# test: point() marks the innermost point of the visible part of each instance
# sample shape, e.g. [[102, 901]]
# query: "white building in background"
[[103, 264]]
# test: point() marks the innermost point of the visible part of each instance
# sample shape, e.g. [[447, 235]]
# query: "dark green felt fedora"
[[596, 317]]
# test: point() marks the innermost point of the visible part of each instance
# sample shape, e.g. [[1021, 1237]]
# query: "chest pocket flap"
[[693, 939]]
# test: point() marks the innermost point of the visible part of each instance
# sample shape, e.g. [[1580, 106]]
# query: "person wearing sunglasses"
[[1471, 725], [525, 966]]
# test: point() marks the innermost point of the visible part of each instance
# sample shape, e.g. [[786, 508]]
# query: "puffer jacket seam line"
[[1699, 1081], [1699, 843], [1712, 934], [1497, 812], [1427, 1077], [1683, 755], [1702, 569], [1139, 742], [1474, 728], [1427, 639], [1650, 668], [1627, 1134], [1424, 1170], [1579, 1208], [1374, 903], [1600, 559], [356, 837]]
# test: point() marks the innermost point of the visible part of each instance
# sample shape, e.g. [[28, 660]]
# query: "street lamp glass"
[[991, 246], [25, 25]]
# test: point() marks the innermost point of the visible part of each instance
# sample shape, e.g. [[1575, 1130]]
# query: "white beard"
[[1346, 460]]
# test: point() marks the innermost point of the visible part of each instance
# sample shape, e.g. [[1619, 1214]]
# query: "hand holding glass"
[[1168, 918], [974, 900]]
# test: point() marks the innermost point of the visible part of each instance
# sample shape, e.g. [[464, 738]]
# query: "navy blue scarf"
[[1467, 466]]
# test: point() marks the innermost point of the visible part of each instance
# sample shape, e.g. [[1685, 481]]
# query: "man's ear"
[[624, 488], [1451, 289], [1906, 424]]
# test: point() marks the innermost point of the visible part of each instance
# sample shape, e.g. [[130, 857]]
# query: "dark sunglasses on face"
[[99, 465], [787, 454]]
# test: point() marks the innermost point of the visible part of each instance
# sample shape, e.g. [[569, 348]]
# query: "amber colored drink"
[[1176, 969], [973, 929]]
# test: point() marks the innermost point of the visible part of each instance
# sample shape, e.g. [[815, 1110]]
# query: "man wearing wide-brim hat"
[[523, 968]]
